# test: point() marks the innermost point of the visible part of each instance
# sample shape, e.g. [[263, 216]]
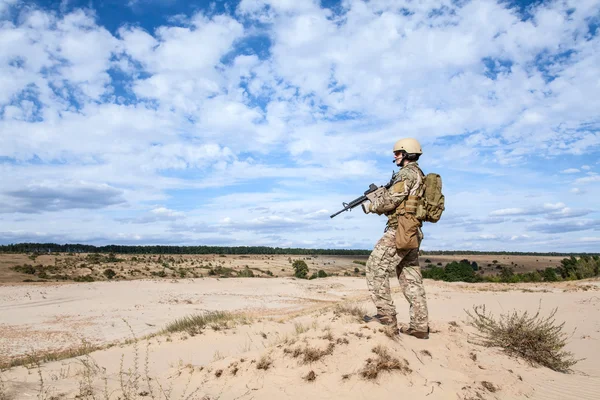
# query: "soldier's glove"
[[366, 207]]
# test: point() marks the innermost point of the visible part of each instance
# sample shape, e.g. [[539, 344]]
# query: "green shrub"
[[300, 269], [506, 274], [549, 275], [322, 274], [109, 273], [435, 273], [460, 272]]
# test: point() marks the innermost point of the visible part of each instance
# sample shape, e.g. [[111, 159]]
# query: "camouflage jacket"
[[408, 181]]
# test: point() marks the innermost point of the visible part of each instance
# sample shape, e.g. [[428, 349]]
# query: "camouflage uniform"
[[386, 258]]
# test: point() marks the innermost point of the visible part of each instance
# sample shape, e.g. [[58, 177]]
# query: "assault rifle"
[[369, 193]]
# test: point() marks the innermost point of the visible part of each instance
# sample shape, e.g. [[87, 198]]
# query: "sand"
[[286, 320]]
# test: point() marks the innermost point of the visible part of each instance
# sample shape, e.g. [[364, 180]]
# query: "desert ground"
[[280, 337]]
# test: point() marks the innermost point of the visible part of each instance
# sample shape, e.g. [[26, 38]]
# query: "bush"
[[506, 274], [356, 270], [584, 267], [246, 273], [434, 273], [109, 273], [536, 339], [25, 269], [300, 269], [460, 272], [322, 274], [549, 275]]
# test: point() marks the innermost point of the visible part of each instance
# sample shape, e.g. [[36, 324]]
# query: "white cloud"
[[588, 179], [195, 106]]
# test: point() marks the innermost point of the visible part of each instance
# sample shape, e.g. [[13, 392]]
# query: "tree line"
[[570, 269], [118, 249], [158, 249]]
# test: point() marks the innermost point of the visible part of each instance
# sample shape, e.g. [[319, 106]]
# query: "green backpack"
[[431, 205]]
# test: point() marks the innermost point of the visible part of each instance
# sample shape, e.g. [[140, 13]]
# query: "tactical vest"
[[415, 193]]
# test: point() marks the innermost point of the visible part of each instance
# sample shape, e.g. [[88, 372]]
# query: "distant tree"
[[474, 266], [300, 269]]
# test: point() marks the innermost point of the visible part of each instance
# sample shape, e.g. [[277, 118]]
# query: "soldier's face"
[[398, 158]]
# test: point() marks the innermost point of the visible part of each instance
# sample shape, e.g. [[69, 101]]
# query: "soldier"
[[398, 249]]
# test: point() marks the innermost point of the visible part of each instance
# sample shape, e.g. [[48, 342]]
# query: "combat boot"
[[382, 319], [417, 334]]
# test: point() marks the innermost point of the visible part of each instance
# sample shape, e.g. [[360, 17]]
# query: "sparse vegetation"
[[539, 340], [264, 362], [310, 354], [350, 309], [383, 362], [194, 324]]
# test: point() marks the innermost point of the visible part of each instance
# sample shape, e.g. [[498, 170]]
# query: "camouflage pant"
[[384, 260]]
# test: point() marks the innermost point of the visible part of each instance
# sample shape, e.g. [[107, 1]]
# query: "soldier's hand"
[[366, 207]]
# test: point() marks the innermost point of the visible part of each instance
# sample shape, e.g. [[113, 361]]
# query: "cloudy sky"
[[249, 123]]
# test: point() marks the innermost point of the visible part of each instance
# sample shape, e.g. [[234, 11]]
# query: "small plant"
[[195, 323], [383, 362], [350, 309], [538, 340], [264, 363]]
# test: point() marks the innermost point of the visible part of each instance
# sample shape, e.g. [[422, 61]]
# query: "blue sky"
[[249, 123]]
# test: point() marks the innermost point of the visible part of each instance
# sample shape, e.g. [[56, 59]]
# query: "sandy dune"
[[307, 347]]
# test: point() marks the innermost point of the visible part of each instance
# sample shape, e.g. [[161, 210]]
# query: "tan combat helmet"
[[409, 145]]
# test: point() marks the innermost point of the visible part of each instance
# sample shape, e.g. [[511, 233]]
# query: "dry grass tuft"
[[390, 331], [310, 354], [489, 386], [311, 376], [538, 340], [193, 324], [38, 357], [351, 309], [264, 363], [383, 362]]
